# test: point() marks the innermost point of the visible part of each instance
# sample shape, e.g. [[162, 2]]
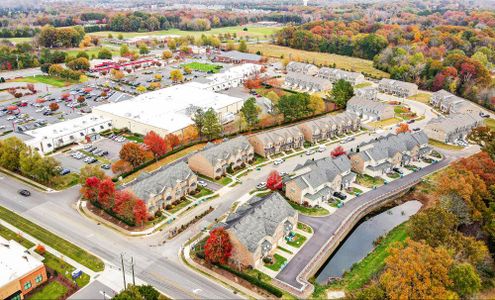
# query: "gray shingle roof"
[[241, 56], [322, 171], [299, 67], [216, 152], [259, 218], [279, 134], [387, 146], [362, 104]]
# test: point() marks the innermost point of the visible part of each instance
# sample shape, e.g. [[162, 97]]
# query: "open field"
[[384, 123], [341, 62], [81, 256], [91, 51], [46, 79], [490, 123], [10, 235], [19, 40], [202, 67], [421, 97], [442, 145]]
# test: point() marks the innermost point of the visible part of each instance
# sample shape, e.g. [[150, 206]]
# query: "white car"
[[261, 186], [278, 161], [202, 183], [322, 148], [11, 118], [310, 152]]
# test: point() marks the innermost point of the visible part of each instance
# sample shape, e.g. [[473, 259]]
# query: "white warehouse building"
[[167, 110], [231, 78], [54, 136]]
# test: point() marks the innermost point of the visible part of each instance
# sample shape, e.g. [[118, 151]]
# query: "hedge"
[[268, 287]]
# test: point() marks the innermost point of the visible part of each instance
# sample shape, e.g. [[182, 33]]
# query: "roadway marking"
[[105, 295], [197, 291]]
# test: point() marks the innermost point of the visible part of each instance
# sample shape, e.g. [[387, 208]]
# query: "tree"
[[132, 153], [124, 202], [55, 70], [341, 92], [273, 97], [117, 74], [158, 77], [294, 106], [434, 226], [53, 106], [454, 204], [337, 151], [148, 292], [143, 49], [104, 53], [79, 64], [176, 75], [187, 70], [141, 89], [316, 104], [89, 171], [403, 128], [171, 140], [166, 55], [211, 124], [140, 212], [242, 46], [274, 181], [124, 50], [466, 281], [131, 293], [417, 271], [218, 248], [121, 166], [106, 193], [171, 44], [10, 151], [252, 84], [90, 188], [155, 143], [250, 112]]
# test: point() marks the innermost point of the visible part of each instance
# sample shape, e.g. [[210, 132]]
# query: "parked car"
[[92, 160], [105, 167], [416, 129], [322, 148], [340, 195], [310, 152], [410, 121], [64, 172], [24, 193], [261, 186], [347, 140], [278, 161], [202, 183], [398, 170]]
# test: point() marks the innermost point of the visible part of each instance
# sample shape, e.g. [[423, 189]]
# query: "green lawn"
[[64, 268], [258, 159], [223, 181], [421, 97], [202, 192], [81, 256], [362, 85], [443, 145], [53, 290], [362, 272], [92, 51], [279, 260], [368, 181], [384, 123], [311, 211], [304, 227], [297, 241], [355, 190], [284, 250], [46, 79], [490, 123], [10, 235], [66, 181], [207, 68], [179, 206]]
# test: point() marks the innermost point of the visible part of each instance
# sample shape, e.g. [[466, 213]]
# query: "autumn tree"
[[155, 143], [176, 75], [90, 171], [106, 193], [218, 247], [117, 74], [90, 188], [166, 55], [242, 46], [417, 271], [466, 281], [274, 181], [124, 202], [337, 151], [132, 153], [53, 106], [10, 151], [434, 226], [140, 212], [403, 128], [121, 166], [316, 104], [253, 84], [172, 141]]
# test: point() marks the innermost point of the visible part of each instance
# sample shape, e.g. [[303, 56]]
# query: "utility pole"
[[123, 269], [132, 269]]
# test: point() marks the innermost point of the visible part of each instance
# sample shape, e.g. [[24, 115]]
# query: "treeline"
[[18, 57], [18, 32], [51, 37]]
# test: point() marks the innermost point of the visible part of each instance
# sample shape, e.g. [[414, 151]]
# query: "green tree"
[[10, 151], [172, 44], [243, 46], [143, 49], [250, 112], [90, 171], [294, 106], [341, 92], [104, 53], [435, 226], [208, 123], [124, 50], [148, 292], [367, 46], [466, 281], [273, 97], [131, 293], [82, 54], [176, 75], [79, 64]]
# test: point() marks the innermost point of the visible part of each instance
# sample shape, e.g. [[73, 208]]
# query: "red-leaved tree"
[[124, 204], [338, 151], [172, 140], [218, 248], [89, 190], [140, 212], [106, 193], [274, 181], [155, 143], [403, 128]]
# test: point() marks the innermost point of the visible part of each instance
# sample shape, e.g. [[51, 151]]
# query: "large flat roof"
[[168, 108], [14, 261]]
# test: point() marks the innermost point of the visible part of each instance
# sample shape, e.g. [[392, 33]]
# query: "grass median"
[[70, 250]]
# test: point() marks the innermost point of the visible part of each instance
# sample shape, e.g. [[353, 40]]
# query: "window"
[[38, 278], [27, 285]]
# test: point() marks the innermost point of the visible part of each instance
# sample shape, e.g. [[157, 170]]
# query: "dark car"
[[397, 170], [64, 172], [24, 193], [340, 195], [105, 167], [416, 129], [410, 121]]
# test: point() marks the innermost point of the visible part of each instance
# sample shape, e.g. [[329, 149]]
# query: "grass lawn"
[[490, 123], [297, 241], [258, 159], [384, 123], [46, 79], [10, 235], [342, 62], [207, 68], [179, 206], [279, 260], [53, 290], [165, 161], [66, 181], [202, 192], [355, 190], [443, 145], [362, 85], [421, 97], [135, 138], [64, 268], [284, 250], [17, 40], [362, 272], [310, 211], [81, 256], [393, 175], [92, 51], [368, 181], [304, 227], [398, 109]]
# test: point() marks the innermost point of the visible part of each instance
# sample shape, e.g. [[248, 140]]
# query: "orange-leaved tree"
[[218, 247]]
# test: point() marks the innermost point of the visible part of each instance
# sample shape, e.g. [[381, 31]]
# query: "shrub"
[[253, 280], [40, 249]]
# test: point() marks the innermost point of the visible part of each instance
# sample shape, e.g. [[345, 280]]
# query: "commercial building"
[[397, 88], [329, 126], [369, 109], [215, 161], [86, 128], [318, 180], [256, 228], [236, 57], [167, 185], [301, 68], [231, 78], [452, 128], [167, 110], [336, 74], [276, 141], [304, 82], [20, 272]]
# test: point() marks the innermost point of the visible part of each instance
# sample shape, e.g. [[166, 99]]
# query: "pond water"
[[359, 242]]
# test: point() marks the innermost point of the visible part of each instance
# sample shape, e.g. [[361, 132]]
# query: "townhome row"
[[451, 104], [397, 88], [336, 74], [257, 227], [381, 155], [368, 109], [451, 128], [303, 82]]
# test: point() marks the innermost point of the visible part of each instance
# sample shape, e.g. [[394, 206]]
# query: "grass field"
[[442, 145], [490, 123], [58, 82], [53, 290], [368, 181], [92, 51], [202, 192], [421, 97], [81, 256], [384, 123], [341, 62], [19, 40], [10, 235], [202, 67], [363, 85], [64, 268], [297, 241]]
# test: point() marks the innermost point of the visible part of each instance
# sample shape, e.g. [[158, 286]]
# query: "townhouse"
[[329, 126], [369, 92], [397, 88], [301, 68], [453, 127], [276, 141], [256, 228], [336, 74], [215, 161], [318, 180], [381, 155], [369, 109], [451, 104], [304, 82], [164, 186]]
